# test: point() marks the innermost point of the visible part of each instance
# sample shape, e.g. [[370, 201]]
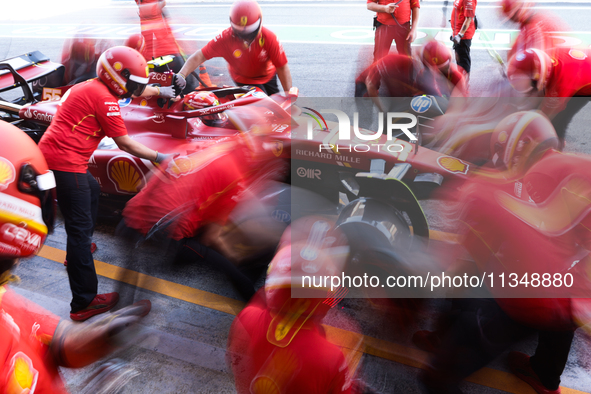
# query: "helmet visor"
[[246, 33], [522, 82]]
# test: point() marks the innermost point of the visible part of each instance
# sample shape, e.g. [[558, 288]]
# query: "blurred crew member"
[[536, 27], [403, 76], [567, 75], [437, 57], [34, 342], [88, 112], [201, 190], [393, 23], [79, 57], [254, 55], [540, 226], [157, 40], [463, 28], [277, 342]]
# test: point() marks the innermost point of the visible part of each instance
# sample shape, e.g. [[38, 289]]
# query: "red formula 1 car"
[[324, 158]]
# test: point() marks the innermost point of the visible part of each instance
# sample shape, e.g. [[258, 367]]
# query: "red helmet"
[[27, 206], [516, 10], [137, 42], [521, 139], [200, 100], [529, 69], [436, 54], [246, 19], [123, 70], [82, 50]]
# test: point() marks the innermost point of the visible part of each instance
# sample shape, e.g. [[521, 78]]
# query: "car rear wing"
[[28, 68]]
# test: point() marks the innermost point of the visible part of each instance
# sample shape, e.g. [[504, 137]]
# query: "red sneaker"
[[100, 304], [92, 250], [520, 366]]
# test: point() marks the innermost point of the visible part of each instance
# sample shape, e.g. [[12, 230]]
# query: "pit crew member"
[[277, 341], [437, 58], [394, 21], [563, 81], [463, 28], [536, 27], [254, 55], [88, 112], [34, 342]]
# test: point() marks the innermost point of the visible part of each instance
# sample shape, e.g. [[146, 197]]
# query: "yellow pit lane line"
[[347, 340]]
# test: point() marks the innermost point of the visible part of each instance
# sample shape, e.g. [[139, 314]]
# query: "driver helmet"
[[516, 10], [123, 70], [27, 202], [520, 139], [246, 19], [529, 70], [437, 55], [200, 100], [137, 42]]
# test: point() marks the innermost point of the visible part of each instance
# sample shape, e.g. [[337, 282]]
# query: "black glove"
[[160, 157], [167, 92], [179, 83]]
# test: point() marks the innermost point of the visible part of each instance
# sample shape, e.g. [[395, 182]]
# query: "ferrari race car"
[[339, 162]]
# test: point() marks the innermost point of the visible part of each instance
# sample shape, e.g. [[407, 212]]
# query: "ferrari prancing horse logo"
[[277, 148]]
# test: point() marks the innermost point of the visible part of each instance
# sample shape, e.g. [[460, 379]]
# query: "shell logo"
[[243, 21], [125, 175], [143, 103], [117, 66], [503, 137], [577, 54], [237, 53], [22, 377], [453, 165], [7, 173]]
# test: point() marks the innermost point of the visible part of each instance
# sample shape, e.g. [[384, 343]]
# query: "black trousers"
[[270, 87], [563, 118], [463, 54], [77, 197], [477, 333], [191, 250]]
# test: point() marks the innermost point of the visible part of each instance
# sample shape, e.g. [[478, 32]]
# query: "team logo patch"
[[125, 175], [577, 54], [7, 173], [421, 104], [453, 165], [503, 137], [261, 41], [243, 21], [22, 377], [124, 102], [237, 53], [117, 66], [277, 148]]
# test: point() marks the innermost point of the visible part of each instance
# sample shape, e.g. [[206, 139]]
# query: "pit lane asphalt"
[[187, 354]]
